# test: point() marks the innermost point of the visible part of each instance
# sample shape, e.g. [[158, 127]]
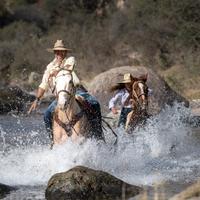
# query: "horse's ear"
[[134, 79], [144, 77]]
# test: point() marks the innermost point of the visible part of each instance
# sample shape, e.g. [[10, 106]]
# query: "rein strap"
[[68, 126]]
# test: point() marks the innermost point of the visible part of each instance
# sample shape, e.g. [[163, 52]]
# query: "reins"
[[65, 92]]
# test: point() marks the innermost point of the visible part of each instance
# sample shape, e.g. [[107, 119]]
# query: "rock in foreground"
[[4, 190], [82, 183]]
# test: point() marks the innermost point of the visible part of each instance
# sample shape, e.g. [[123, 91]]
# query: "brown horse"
[[73, 117], [139, 98]]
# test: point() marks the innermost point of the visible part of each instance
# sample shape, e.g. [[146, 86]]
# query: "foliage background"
[[161, 34]]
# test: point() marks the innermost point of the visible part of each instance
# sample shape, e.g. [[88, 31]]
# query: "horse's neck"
[[74, 107]]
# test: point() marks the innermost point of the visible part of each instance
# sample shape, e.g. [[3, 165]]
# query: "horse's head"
[[64, 88], [139, 93]]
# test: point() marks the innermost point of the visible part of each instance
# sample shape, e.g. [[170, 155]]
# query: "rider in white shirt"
[[122, 98], [60, 61]]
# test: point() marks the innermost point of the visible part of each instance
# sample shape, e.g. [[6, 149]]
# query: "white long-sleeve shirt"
[[120, 97], [53, 66]]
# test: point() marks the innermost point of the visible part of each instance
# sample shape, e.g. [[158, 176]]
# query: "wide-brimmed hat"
[[59, 46], [127, 78]]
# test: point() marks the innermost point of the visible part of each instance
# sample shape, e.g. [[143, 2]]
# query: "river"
[[166, 151]]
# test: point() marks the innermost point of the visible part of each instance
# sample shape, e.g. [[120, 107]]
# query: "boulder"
[[161, 95], [82, 183], [4, 190], [12, 98]]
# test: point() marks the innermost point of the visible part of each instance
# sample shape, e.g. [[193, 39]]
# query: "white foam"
[[145, 157]]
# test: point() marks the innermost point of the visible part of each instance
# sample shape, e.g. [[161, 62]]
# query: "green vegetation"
[[164, 33]]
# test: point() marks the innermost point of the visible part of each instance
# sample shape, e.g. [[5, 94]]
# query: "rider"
[[60, 61], [122, 96]]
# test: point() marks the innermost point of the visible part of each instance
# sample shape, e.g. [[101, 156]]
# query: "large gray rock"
[[162, 94], [5, 189], [82, 183], [12, 98]]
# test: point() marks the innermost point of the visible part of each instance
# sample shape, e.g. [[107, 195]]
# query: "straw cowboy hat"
[[127, 78], [59, 46]]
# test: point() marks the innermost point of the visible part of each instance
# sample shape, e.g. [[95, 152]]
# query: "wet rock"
[[82, 183], [12, 98], [5, 189], [161, 95]]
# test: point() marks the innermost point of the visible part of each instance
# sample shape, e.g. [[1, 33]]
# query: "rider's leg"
[[123, 116], [48, 115]]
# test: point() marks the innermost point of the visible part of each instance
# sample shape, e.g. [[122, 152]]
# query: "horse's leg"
[[132, 121], [128, 120], [59, 134], [56, 133], [78, 129]]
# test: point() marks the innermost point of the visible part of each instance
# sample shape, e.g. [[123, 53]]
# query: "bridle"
[[69, 73], [137, 97], [65, 91], [70, 125]]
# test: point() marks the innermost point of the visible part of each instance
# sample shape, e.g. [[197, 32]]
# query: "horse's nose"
[[61, 102]]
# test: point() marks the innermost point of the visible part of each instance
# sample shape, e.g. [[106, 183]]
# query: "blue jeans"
[[48, 114], [123, 116]]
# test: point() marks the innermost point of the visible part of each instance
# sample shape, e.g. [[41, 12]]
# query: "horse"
[[139, 99], [73, 117]]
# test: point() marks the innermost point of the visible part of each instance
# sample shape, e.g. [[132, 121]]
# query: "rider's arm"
[[40, 93], [114, 101], [44, 84], [41, 89]]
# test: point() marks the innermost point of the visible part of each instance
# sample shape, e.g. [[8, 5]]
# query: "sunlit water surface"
[[166, 149]]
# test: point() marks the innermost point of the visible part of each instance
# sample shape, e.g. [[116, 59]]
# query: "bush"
[[32, 14], [20, 31], [160, 29]]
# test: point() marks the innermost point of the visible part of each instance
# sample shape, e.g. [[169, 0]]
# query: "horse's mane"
[[141, 78], [81, 87], [118, 86]]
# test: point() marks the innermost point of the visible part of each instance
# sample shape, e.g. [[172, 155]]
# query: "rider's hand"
[[33, 106], [59, 60], [114, 110]]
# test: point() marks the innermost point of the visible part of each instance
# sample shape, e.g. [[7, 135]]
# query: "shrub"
[[20, 31]]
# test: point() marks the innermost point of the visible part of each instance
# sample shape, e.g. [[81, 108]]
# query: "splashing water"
[[3, 146], [165, 149]]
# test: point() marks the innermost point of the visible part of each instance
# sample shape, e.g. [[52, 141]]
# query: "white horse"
[[72, 117]]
